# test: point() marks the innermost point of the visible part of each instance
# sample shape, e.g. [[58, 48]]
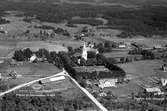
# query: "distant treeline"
[[146, 21], [90, 21]]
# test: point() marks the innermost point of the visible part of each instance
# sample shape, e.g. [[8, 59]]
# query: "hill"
[[99, 2]]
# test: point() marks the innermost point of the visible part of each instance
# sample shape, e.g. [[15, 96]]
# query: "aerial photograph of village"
[[83, 55]]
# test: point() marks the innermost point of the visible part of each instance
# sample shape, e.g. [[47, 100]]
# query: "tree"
[[52, 57], [18, 55], [147, 54], [27, 53], [91, 54], [101, 60], [82, 62], [43, 53], [100, 48], [91, 62], [107, 44]]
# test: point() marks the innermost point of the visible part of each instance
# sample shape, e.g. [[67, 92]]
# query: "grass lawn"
[[6, 47], [142, 68]]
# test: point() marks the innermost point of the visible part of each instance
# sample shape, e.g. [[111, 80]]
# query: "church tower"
[[84, 52]]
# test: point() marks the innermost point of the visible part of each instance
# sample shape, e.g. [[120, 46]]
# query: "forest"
[[15, 103], [146, 21]]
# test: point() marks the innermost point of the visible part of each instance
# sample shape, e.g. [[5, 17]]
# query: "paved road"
[[63, 73]]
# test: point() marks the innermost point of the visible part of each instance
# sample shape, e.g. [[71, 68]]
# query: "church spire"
[[84, 52]]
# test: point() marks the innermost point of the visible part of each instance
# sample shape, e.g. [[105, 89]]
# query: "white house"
[[105, 83], [121, 46], [153, 90], [33, 58], [157, 47]]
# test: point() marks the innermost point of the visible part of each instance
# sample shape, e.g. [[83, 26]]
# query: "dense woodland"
[[15, 103], [146, 21]]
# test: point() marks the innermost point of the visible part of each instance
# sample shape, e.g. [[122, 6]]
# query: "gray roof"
[[91, 69]]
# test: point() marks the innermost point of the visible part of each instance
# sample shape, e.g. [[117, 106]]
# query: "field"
[[65, 87], [141, 72], [142, 68], [6, 47], [59, 94], [27, 72], [36, 45], [19, 39], [148, 42]]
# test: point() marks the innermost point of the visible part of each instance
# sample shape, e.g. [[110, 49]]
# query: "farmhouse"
[[122, 45], [152, 90], [157, 47], [104, 83], [33, 58]]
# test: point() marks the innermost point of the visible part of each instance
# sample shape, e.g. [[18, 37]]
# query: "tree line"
[[68, 61]]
